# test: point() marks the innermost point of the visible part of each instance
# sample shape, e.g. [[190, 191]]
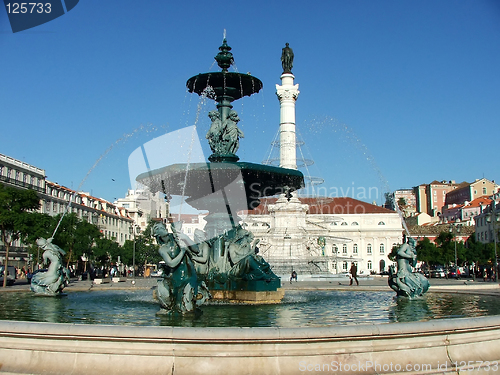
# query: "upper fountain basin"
[[224, 85]]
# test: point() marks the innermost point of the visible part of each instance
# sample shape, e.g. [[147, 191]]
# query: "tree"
[[75, 236], [43, 226], [105, 251], [401, 203], [16, 218], [427, 251]]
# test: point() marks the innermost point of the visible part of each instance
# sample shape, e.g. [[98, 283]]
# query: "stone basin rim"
[[49, 330]]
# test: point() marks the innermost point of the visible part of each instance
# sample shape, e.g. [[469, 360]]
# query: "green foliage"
[[392, 254], [479, 252], [16, 216], [427, 251], [146, 249], [105, 252], [446, 248], [75, 236]]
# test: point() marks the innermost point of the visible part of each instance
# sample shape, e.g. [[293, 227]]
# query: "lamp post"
[[132, 229], [493, 218], [456, 227]]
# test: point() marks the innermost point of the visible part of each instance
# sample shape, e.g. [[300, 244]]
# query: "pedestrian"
[[354, 271], [293, 276]]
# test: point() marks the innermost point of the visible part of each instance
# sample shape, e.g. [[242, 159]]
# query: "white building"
[[488, 221], [326, 236], [142, 206]]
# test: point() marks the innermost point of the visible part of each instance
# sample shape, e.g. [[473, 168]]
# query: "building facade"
[[470, 191], [430, 198], [326, 236], [488, 222], [113, 221]]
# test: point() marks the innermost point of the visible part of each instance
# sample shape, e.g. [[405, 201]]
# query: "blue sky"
[[392, 93]]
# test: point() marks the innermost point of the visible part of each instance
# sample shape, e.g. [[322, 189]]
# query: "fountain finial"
[[224, 58]]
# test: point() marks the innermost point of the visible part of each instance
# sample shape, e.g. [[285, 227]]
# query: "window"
[[382, 249], [344, 266], [343, 223], [484, 191], [354, 223], [355, 248], [369, 265], [335, 249], [369, 248], [344, 249], [381, 223]]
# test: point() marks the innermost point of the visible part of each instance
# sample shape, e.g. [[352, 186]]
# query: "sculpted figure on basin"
[[52, 280], [405, 282]]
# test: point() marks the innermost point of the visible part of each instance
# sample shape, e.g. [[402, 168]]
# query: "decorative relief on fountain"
[[224, 136]]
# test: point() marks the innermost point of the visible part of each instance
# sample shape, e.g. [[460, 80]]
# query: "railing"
[[27, 185]]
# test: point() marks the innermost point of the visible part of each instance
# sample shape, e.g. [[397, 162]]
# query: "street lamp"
[[458, 227], [493, 217], [132, 230]]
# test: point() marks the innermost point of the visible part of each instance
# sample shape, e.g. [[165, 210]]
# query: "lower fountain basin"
[[299, 308], [327, 339]]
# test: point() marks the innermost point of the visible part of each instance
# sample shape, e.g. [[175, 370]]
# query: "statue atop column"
[[287, 59]]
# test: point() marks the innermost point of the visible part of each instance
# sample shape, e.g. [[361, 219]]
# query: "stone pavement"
[[378, 283]]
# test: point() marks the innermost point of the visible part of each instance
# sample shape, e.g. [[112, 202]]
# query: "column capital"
[[287, 92]]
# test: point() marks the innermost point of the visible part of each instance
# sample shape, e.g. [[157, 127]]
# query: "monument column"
[[287, 94]]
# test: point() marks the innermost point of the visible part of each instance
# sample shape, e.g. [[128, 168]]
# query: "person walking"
[[354, 271]]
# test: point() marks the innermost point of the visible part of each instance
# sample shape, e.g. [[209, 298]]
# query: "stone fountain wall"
[[52, 348]]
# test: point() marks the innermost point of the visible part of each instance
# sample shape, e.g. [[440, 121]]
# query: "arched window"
[[369, 248], [369, 265], [344, 249], [335, 249], [355, 248], [354, 223], [381, 223], [382, 249], [344, 266], [344, 223]]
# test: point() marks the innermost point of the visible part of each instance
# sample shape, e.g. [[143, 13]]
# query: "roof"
[[323, 205], [480, 201]]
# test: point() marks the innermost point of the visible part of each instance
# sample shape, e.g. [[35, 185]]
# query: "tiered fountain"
[[232, 269]]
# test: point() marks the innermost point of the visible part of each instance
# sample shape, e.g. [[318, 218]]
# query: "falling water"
[[124, 138], [207, 93], [356, 142]]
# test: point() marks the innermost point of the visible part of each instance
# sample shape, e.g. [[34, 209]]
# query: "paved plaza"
[[375, 283]]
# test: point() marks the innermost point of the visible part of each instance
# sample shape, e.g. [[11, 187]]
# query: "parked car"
[[453, 274], [11, 275], [438, 272]]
